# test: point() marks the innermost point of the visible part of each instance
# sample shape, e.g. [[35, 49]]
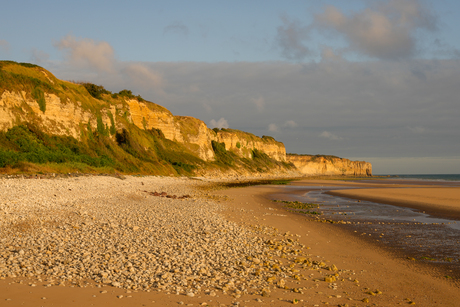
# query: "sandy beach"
[[230, 247]]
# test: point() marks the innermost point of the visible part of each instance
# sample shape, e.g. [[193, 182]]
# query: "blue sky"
[[373, 80]]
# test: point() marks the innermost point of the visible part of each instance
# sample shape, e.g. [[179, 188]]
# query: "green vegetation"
[[256, 182], [223, 157], [112, 123], [38, 95], [95, 90], [238, 145], [25, 147], [300, 207], [127, 94]]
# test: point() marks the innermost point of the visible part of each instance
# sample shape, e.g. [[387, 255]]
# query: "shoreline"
[[363, 275], [437, 201], [380, 267]]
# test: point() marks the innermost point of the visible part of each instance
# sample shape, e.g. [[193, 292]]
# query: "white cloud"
[[4, 45], [273, 128], [290, 124], [386, 30], [330, 136], [259, 102], [88, 53], [221, 123]]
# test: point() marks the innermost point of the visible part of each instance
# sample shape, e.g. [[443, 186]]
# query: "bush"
[[128, 94], [95, 90]]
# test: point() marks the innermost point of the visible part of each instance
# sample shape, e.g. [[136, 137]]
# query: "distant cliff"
[[124, 128], [329, 165]]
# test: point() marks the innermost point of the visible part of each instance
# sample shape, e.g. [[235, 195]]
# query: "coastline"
[[363, 273], [376, 267]]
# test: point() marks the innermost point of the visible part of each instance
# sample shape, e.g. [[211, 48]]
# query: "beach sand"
[[437, 201], [367, 274]]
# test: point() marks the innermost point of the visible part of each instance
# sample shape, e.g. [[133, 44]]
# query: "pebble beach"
[[164, 241]]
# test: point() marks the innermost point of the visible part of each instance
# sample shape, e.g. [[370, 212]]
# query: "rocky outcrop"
[[329, 165]]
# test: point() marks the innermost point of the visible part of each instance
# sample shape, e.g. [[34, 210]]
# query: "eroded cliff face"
[[323, 165], [71, 110], [59, 118], [242, 143], [70, 118], [197, 137]]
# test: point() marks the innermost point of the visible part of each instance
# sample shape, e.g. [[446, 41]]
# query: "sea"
[[430, 177], [412, 233]]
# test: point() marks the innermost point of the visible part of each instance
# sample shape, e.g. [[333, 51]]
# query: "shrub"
[[222, 155], [38, 95], [95, 90], [112, 123]]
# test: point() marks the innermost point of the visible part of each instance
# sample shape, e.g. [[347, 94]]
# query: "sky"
[[375, 80]]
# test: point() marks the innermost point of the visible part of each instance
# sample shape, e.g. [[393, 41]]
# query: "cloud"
[[89, 53], [387, 30], [330, 136], [371, 103], [329, 55], [221, 123], [176, 28], [273, 128], [290, 124], [290, 39], [417, 129], [142, 76], [4, 45], [39, 56], [259, 102]]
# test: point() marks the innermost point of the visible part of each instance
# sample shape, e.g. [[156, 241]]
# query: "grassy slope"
[[27, 148]]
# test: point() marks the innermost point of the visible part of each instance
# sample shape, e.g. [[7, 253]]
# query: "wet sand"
[[437, 201]]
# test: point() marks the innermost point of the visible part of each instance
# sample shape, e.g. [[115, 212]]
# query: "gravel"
[[106, 230]]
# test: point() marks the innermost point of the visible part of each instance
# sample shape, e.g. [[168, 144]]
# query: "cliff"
[[145, 132], [329, 165]]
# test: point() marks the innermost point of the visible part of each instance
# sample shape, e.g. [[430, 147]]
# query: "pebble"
[[112, 232]]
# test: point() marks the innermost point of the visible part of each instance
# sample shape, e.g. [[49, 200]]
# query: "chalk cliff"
[[31, 94], [329, 165]]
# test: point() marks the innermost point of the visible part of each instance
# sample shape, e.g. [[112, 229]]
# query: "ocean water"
[[411, 232], [429, 177]]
